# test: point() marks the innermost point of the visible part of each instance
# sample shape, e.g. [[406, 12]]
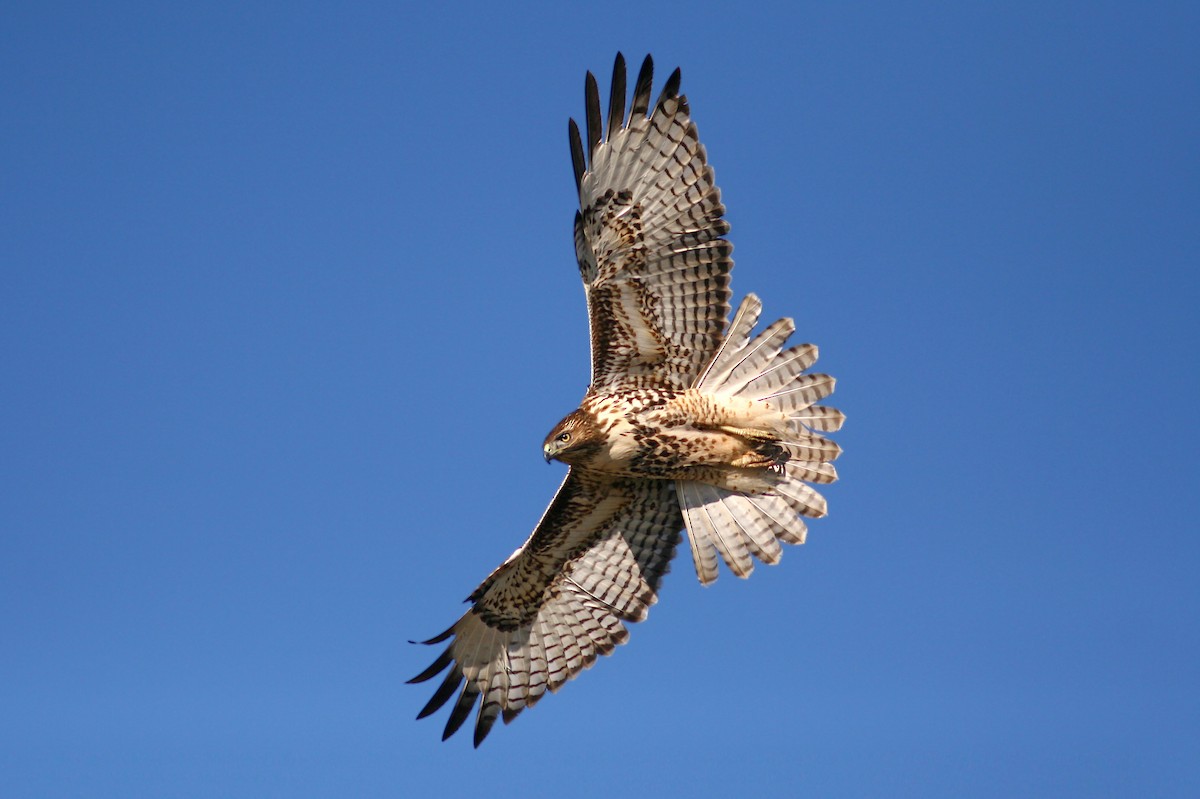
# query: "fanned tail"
[[740, 525]]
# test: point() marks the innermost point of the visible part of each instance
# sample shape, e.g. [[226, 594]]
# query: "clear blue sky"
[[288, 303]]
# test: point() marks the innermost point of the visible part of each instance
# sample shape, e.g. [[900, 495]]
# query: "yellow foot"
[[746, 432]]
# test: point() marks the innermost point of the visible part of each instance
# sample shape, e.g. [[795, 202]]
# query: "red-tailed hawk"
[[687, 422]]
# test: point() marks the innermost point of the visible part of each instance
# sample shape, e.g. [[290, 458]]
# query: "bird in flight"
[[689, 422]]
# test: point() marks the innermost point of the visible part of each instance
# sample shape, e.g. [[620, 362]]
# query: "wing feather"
[[616, 97], [578, 162], [648, 238], [592, 97], [641, 89], [595, 561], [671, 87]]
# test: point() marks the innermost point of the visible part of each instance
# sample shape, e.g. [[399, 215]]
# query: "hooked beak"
[[546, 452]]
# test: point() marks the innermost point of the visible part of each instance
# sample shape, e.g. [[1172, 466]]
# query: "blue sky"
[[288, 303]]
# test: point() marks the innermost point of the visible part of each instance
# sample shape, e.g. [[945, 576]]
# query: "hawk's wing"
[[648, 238], [594, 560]]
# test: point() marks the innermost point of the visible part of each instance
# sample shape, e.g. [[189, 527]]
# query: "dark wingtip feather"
[[437, 639], [443, 693], [577, 161], [641, 89], [462, 708], [671, 89], [616, 98], [484, 725], [436, 667], [592, 100]]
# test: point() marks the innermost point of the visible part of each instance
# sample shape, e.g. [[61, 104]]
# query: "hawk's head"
[[574, 439]]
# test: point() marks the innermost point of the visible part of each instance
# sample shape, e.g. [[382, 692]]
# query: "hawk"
[[688, 422]]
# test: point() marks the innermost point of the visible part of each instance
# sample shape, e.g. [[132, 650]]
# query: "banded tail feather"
[[735, 525]]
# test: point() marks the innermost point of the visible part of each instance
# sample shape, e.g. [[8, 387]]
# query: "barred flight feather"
[[733, 526], [787, 367], [807, 446], [760, 534], [804, 391], [820, 417], [811, 471], [704, 549], [734, 341], [758, 356], [726, 533], [803, 498]]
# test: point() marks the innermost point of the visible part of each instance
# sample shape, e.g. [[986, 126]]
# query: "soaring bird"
[[689, 422]]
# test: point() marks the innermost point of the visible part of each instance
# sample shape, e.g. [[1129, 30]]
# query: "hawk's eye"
[[564, 437]]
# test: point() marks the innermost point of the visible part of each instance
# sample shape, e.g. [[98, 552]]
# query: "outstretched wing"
[[594, 561], [648, 238]]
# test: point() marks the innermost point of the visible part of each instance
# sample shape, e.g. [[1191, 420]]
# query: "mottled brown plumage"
[[688, 422]]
